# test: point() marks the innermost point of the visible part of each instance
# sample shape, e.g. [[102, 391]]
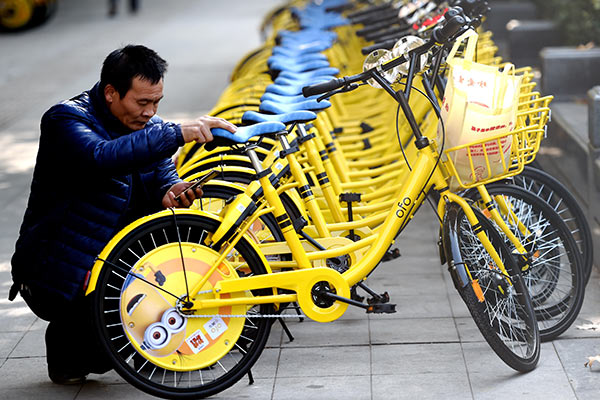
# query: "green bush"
[[578, 19]]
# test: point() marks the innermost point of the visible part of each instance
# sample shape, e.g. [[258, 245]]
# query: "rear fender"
[[99, 264]]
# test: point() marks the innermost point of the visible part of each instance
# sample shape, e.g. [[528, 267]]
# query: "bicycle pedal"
[[391, 255], [381, 308], [380, 299]]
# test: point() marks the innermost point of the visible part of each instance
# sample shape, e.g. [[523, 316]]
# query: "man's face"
[[138, 105]]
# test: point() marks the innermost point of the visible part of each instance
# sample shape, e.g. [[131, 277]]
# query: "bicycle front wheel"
[[554, 277], [500, 305], [154, 344]]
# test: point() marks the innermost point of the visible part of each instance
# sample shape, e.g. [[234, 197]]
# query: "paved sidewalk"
[[429, 349]]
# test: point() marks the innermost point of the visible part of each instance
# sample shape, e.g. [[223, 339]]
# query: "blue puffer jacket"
[[92, 177]]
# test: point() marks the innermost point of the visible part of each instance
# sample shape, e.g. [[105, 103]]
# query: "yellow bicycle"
[[184, 299]]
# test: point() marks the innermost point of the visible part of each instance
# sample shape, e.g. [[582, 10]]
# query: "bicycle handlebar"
[[370, 10], [386, 44], [450, 28], [323, 87], [389, 38], [439, 35]]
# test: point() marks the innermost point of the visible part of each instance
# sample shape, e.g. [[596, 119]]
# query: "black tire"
[[558, 196], [505, 316], [555, 276], [43, 12], [136, 360]]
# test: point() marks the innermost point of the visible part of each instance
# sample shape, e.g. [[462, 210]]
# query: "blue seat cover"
[[279, 108], [293, 52], [307, 66], [287, 118], [303, 82], [308, 33], [279, 98], [284, 90], [245, 133], [307, 75], [300, 59], [305, 47]]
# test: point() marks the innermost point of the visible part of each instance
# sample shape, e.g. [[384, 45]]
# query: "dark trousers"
[[72, 344]]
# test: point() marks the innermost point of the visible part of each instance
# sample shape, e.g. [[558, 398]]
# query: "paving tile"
[[262, 389], [434, 386], [413, 330], [573, 355], [330, 387], [468, 330], [97, 389], [275, 336], [101, 388], [266, 366], [520, 386], [8, 341], [480, 358], [430, 306], [27, 378], [426, 264], [414, 285], [337, 333], [109, 378], [324, 361], [33, 343], [413, 359], [15, 316], [110, 384]]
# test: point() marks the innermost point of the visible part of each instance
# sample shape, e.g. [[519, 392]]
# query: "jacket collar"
[[113, 126]]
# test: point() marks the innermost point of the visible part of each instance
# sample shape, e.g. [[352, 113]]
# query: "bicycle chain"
[[184, 315], [243, 316]]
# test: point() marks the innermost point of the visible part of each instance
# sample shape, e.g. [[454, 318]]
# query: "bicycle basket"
[[524, 142]]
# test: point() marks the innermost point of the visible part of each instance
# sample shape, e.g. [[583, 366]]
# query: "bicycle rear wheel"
[[153, 344], [499, 305]]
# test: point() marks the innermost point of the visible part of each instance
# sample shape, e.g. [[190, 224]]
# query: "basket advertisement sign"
[[480, 102]]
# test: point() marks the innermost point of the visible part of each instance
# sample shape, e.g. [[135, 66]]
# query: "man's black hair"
[[122, 65]]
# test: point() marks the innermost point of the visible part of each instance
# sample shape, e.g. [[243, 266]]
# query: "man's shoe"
[[64, 378]]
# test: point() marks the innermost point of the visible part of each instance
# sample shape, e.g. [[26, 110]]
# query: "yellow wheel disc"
[[154, 326], [15, 13]]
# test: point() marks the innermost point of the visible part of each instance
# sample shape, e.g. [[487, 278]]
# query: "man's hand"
[[185, 199], [199, 129]]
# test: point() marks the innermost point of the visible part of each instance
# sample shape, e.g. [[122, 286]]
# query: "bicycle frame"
[[236, 218]]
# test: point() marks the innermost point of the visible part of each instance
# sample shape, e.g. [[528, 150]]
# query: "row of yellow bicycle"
[[334, 155]]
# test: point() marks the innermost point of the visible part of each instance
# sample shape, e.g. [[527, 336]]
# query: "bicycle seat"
[[298, 40], [279, 108], [325, 23], [285, 90], [295, 51], [298, 67], [301, 59], [307, 34], [278, 98], [287, 118], [315, 46], [245, 133], [303, 82], [328, 71]]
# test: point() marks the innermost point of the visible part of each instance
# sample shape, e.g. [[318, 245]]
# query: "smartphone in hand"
[[199, 182]]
